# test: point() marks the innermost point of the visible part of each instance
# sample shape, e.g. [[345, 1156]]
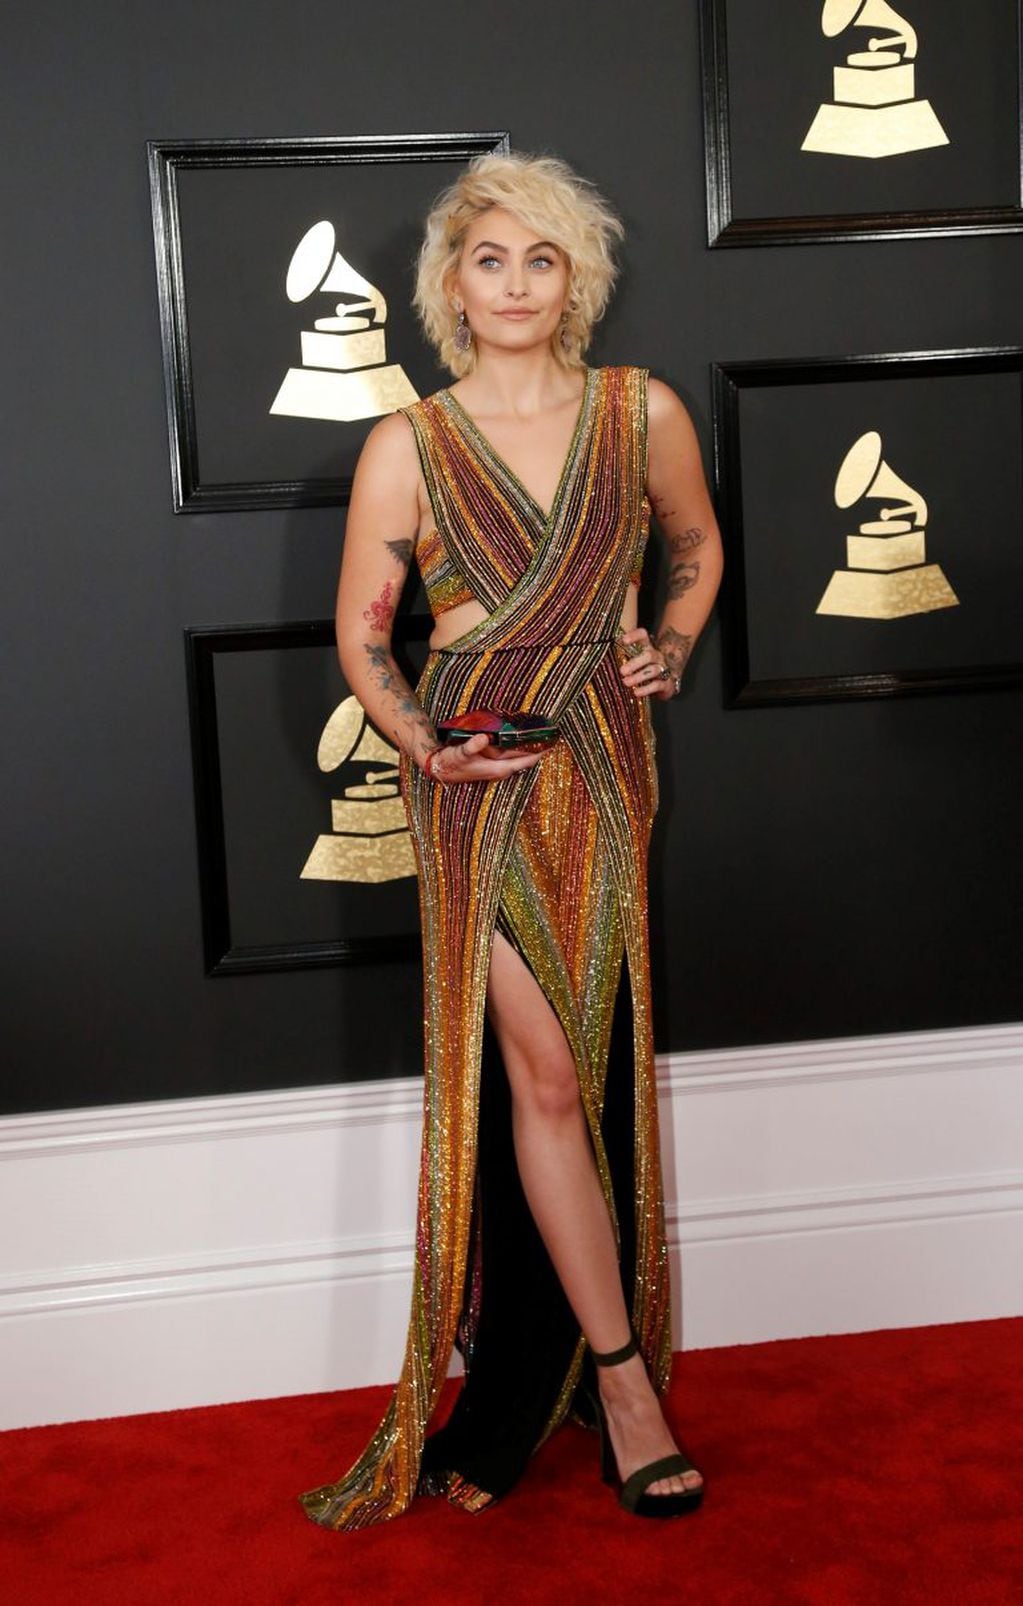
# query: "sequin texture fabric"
[[555, 854]]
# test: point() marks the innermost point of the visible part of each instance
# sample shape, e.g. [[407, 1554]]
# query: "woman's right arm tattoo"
[[406, 715], [401, 551]]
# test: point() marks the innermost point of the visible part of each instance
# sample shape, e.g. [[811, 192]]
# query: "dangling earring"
[[463, 334], [566, 338]]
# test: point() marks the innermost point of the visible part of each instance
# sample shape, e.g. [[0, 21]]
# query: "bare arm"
[[678, 493], [380, 534]]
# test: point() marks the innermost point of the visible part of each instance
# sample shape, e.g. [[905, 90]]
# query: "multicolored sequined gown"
[[555, 857]]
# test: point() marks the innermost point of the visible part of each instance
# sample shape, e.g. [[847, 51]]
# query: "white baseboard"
[[197, 1251]]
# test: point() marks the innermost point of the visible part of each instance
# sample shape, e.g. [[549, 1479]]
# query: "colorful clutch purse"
[[504, 729]]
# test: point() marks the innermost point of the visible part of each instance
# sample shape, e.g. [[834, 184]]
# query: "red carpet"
[[876, 1468]]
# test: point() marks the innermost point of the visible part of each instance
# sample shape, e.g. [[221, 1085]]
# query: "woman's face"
[[511, 284]]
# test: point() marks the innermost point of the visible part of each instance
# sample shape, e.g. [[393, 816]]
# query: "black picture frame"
[[170, 161], [744, 687], [726, 227], [223, 953]]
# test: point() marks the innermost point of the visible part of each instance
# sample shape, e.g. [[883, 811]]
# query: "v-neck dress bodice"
[[554, 857], [468, 480]]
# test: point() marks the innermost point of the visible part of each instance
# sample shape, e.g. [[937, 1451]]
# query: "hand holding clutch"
[[525, 733], [488, 744]]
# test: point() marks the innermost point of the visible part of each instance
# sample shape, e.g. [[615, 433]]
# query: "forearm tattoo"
[[675, 648], [381, 611], [405, 714], [681, 578]]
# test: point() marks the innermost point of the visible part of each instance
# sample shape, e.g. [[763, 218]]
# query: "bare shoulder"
[[389, 451], [391, 438], [665, 407], [670, 430]]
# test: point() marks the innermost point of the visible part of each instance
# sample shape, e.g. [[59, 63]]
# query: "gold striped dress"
[[555, 856]]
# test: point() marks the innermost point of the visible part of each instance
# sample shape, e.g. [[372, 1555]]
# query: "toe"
[[671, 1485]]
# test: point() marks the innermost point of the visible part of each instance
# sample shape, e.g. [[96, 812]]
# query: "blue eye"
[[485, 261]]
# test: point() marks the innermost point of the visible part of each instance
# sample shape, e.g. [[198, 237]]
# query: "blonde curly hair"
[[544, 193]]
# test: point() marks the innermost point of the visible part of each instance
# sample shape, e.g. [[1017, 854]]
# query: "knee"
[[547, 1086]]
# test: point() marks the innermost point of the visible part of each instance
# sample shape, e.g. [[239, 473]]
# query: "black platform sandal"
[[632, 1493]]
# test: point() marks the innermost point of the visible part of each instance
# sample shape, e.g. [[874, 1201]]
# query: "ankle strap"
[[615, 1356]]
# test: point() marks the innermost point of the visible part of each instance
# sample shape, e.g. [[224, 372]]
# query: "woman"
[[525, 492]]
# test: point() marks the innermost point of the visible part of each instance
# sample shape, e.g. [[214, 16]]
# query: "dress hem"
[[456, 1489]]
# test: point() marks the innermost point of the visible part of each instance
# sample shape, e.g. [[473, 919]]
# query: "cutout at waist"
[[525, 646], [476, 615]]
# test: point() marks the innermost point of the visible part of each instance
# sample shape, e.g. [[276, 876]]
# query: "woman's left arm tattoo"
[[687, 540], [685, 573], [682, 577], [675, 647]]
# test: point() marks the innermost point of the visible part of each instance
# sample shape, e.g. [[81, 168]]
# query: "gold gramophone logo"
[[370, 839], [875, 111], [888, 575], [345, 373]]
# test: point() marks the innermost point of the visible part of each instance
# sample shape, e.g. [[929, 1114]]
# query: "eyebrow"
[[495, 246]]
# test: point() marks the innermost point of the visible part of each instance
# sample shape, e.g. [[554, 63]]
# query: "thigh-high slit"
[[525, 1333]]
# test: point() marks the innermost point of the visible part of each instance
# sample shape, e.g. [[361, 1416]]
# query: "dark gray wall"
[[849, 868]]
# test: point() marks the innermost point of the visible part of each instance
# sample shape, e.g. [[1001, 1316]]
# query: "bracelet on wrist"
[[427, 766]]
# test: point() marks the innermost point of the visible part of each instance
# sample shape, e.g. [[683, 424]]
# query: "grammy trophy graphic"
[[345, 374], [370, 840], [888, 575], [875, 111]]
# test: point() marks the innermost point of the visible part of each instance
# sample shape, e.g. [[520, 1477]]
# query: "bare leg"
[[562, 1187]]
